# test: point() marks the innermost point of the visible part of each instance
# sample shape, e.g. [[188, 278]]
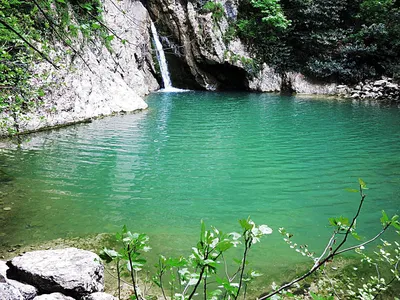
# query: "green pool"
[[284, 161]]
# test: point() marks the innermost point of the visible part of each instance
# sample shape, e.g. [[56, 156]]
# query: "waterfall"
[[161, 60]]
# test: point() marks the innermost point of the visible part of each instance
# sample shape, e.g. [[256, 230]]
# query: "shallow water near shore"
[[220, 157]]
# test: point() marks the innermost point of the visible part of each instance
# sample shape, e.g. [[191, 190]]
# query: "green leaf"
[[245, 224], [355, 235], [202, 231], [109, 255], [87, 6], [176, 262], [396, 224], [352, 190], [224, 246], [384, 218], [95, 25], [109, 38], [41, 93], [318, 297], [362, 184]]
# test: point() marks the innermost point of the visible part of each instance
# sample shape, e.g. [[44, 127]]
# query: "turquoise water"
[[284, 161]]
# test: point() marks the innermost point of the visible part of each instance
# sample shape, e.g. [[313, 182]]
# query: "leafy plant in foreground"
[[184, 278], [205, 272], [342, 229]]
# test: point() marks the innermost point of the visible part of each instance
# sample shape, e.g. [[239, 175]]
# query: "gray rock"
[[99, 296], [2, 279], [376, 89], [53, 296], [71, 271], [382, 82], [27, 291], [368, 95], [392, 86], [8, 292], [366, 87], [3, 268], [115, 83]]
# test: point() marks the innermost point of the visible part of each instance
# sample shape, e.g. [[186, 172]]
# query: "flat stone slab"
[[53, 296], [72, 272]]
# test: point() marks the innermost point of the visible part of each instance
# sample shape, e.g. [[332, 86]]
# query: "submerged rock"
[[71, 271]]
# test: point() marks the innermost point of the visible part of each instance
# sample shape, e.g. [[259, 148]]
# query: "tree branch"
[[51, 23], [44, 56]]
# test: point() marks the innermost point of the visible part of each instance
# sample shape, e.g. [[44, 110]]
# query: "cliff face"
[[203, 51], [198, 47], [115, 82]]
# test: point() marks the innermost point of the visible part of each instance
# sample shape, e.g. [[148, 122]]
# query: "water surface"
[[284, 161]]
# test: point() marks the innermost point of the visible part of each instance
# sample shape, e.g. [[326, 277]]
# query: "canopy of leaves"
[[330, 40]]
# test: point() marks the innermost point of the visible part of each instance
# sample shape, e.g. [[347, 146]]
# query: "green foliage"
[[272, 13], [329, 40], [216, 9], [260, 24], [195, 276], [181, 277]]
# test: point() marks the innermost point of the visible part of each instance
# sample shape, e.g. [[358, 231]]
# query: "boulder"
[[27, 291], [99, 296], [366, 88], [3, 268], [8, 292], [382, 82], [53, 296], [70, 271]]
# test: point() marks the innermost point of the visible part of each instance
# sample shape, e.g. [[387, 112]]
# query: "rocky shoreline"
[[62, 274], [385, 90]]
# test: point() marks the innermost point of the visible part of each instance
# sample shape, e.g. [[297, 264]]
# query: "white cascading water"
[[161, 60]]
